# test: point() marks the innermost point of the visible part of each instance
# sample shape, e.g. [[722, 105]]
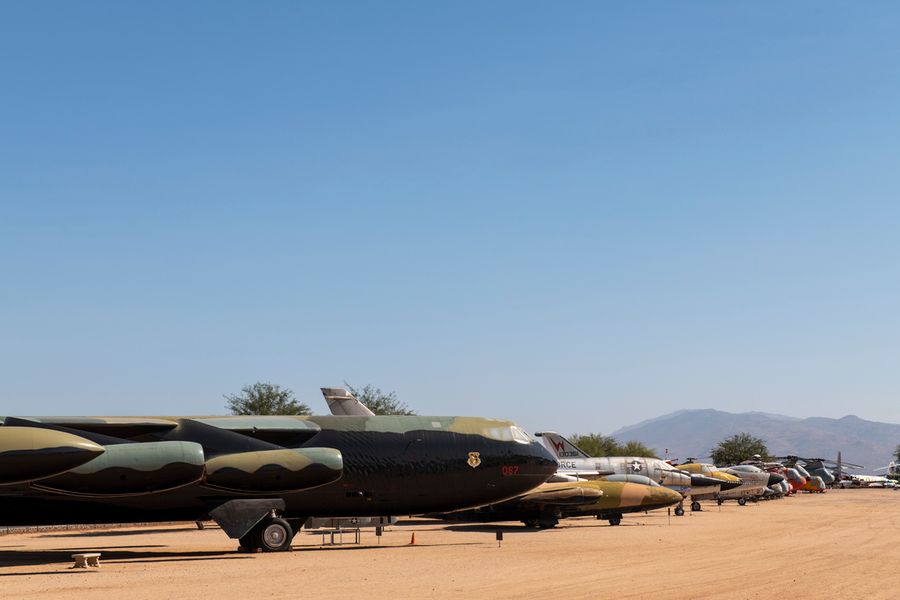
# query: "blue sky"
[[576, 216]]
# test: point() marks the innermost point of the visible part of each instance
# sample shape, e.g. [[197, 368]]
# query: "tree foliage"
[[265, 399], [897, 453], [379, 402], [596, 444], [739, 447]]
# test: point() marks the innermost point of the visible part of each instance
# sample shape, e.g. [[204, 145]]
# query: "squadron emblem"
[[474, 459]]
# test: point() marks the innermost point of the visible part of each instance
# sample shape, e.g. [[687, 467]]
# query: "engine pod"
[[275, 470], [133, 469], [30, 453]]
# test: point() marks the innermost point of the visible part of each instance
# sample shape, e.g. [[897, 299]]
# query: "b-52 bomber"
[[259, 477]]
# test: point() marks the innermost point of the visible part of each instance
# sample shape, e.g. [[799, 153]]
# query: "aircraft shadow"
[[109, 555], [381, 547], [116, 532]]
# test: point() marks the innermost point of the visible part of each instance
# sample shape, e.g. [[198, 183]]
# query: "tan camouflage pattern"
[[28, 453], [270, 470], [494, 429], [602, 495]]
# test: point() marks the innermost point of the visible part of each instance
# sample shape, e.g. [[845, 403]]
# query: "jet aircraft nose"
[[730, 485], [703, 481], [660, 497], [775, 478]]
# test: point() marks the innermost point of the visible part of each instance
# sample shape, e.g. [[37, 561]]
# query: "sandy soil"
[[842, 544]]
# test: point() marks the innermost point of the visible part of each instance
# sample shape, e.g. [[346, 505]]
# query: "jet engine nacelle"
[[268, 471], [629, 478], [29, 454], [132, 469]]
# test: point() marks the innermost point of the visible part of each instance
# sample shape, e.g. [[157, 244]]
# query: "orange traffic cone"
[[412, 540]]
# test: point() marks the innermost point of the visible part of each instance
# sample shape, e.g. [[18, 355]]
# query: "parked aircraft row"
[[262, 477]]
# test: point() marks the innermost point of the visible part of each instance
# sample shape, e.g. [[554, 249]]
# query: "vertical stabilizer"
[[560, 447], [343, 403]]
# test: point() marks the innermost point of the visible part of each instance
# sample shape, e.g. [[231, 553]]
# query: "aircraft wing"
[[341, 402]]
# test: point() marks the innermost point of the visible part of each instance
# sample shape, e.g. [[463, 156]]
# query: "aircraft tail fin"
[[559, 446], [343, 403]]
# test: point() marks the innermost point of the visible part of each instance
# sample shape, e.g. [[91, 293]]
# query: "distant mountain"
[[693, 433]]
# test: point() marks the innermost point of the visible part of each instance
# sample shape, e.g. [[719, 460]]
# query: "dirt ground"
[[842, 544]]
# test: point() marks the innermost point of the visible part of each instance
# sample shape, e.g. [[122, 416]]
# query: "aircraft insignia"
[[474, 459], [636, 466]]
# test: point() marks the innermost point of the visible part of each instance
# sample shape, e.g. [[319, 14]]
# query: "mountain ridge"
[[694, 432]]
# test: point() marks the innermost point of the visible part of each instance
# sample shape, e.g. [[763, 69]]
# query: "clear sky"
[[574, 215]]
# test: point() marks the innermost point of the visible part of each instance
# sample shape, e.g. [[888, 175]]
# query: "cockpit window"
[[520, 435]]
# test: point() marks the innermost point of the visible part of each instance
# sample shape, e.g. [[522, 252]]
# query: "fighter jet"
[[259, 477], [544, 506], [754, 483], [574, 461], [726, 481]]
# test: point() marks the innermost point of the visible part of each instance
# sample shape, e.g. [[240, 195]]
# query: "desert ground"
[[841, 544]]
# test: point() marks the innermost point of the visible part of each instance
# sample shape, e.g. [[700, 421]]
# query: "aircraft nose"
[[665, 497], [543, 460], [775, 478], [730, 485], [703, 481]]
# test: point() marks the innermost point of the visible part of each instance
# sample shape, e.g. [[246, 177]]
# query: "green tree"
[[897, 453], [635, 448], [379, 402], [597, 444], [265, 399], [740, 446]]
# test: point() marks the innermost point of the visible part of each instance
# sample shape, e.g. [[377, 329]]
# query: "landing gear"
[[272, 534], [615, 520], [679, 511], [742, 501], [720, 501], [695, 506], [542, 523]]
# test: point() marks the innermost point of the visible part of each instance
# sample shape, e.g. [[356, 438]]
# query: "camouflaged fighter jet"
[[544, 506], [574, 461], [258, 477]]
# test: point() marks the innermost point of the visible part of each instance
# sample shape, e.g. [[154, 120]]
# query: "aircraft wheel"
[[695, 506], [720, 501], [271, 535], [742, 501], [679, 512], [547, 523], [532, 523], [615, 520]]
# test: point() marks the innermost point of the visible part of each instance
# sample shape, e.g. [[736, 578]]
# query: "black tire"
[[615, 520], [742, 501], [720, 501], [695, 506], [532, 523], [273, 535], [547, 523], [679, 512]]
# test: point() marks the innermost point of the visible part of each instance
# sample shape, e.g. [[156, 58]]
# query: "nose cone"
[[775, 478], [703, 481], [730, 484], [660, 497], [826, 475]]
